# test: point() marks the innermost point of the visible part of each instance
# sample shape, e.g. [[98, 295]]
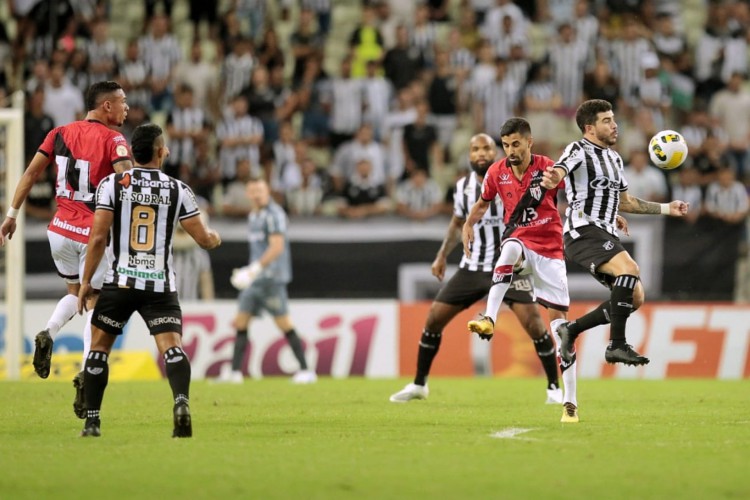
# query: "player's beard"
[[609, 140], [480, 169]]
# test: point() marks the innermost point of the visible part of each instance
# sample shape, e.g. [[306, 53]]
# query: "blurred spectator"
[[567, 58], [423, 36], [645, 181], [239, 136], [421, 147], [134, 77], [720, 51], [666, 40], [235, 202], [364, 196], [204, 173], [186, 124], [730, 108], [586, 27], [518, 64], [442, 96], [62, 100], [37, 124], [262, 101], [349, 155], [310, 99], [204, 10], [401, 62], [254, 11], [712, 157], [393, 131], [541, 102], [77, 71], [439, 10], [306, 199], [365, 42], [378, 95], [160, 51], [285, 173], [419, 197], [501, 9], [651, 92], [137, 115], [237, 68], [231, 30], [201, 76], [602, 84], [483, 72], [344, 101], [151, 7], [726, 199], [687, 188], [306, 43], [323, 14], [103, 54], [497, 103], [626, 53], [387, 24], [39, 75], [270, 54]]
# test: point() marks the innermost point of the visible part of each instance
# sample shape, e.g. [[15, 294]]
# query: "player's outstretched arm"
[[633, 205], [29, 177], [205, 237], [552, 176]]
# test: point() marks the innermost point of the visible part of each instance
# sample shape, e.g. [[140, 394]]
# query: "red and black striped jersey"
[[83, 152], [530, 210]]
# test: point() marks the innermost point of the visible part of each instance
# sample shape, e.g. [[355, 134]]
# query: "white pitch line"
[[510, 433]]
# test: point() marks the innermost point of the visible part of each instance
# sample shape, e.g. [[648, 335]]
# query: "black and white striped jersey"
[[192, 119], [147, 206], [593, 186], [487, 231]]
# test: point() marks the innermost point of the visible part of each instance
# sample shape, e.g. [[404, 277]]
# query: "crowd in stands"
[[373, 117]]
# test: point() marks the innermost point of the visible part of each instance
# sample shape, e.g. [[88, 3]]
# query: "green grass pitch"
[[344, 439]]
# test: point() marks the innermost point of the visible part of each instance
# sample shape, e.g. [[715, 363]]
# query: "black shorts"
[[467, 287], [160, 310], [592, 248]]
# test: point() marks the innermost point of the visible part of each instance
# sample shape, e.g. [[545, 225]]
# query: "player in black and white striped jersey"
[[140, 210], [596, 190], [473, 278]]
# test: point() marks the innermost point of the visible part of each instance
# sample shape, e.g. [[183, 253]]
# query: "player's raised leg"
[[510, 254]]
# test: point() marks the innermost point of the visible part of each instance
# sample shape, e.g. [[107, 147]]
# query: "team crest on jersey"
[[125, 181], [608, 245], [536, 192]]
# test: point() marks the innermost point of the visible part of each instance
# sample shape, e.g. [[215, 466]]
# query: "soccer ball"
[[667, 149]]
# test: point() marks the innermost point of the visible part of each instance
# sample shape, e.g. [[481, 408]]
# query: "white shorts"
[[69, 257], [549, 276]]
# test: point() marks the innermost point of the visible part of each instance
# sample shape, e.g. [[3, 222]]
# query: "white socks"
[[64, 311], [568, 371], [502, 277]]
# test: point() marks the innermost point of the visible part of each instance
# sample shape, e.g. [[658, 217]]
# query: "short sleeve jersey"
[[83, 152], [147, 206], [262, 223], [530, 210]]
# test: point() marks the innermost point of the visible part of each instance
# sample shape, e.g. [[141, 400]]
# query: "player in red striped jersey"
[[532, 240], [83, 152]]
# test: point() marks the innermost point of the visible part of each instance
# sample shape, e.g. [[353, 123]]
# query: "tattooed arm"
[[633, 205]]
